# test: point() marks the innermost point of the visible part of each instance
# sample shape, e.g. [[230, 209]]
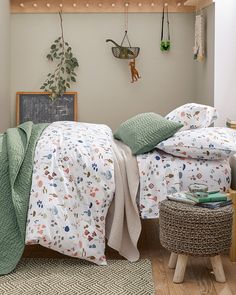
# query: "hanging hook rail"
[[98, 6]]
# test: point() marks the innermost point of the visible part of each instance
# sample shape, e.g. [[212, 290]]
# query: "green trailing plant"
[[165, 45], [60, 80]]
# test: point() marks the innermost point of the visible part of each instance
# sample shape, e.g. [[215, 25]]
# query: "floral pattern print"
[[73, 184], [213, 143], [193, 115], [162, 174], [72, 188]]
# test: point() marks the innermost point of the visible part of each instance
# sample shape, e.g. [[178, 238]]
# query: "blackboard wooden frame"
[[19, 96]]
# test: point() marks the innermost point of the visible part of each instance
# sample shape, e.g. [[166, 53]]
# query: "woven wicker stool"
[[190, 230]]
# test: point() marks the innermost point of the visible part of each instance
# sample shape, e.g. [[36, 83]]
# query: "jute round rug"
[[73, 276]]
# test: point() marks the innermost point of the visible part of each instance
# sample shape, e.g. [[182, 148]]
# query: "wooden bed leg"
[[233, 246], [172, 260]]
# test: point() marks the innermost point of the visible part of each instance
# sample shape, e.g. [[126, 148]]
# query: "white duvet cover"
[[162, 174], [73, 185], [72, 188]]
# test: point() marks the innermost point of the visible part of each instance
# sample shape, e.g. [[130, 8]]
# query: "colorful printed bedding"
[[162, 174], [76, 169], [72, 188]]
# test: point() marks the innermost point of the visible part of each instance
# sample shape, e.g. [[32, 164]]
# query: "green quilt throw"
[[17, 148]]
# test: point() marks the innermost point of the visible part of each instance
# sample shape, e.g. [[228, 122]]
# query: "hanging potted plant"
[[60, 80], [165, 44]]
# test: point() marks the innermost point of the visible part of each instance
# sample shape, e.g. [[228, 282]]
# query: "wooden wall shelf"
[[96, 6], [101, 6]]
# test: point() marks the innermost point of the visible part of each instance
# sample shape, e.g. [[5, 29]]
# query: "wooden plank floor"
[[198, 278]]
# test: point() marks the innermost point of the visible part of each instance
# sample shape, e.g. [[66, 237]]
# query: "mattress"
[[162, 174]]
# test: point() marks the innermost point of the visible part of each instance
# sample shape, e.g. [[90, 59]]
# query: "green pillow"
[[144, 131]]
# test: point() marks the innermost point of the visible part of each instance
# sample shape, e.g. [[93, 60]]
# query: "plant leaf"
[[58, 81]]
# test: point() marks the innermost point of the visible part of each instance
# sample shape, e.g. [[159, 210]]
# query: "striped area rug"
[[75, 277]]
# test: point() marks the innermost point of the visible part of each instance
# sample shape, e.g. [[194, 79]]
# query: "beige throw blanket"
[[123, 224]]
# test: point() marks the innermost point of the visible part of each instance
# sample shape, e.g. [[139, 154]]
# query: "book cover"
[[230, 122], [215, 197], [180, 197], [231, 126], [215, 205]]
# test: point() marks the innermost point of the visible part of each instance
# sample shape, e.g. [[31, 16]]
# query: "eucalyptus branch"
[[60, 80]]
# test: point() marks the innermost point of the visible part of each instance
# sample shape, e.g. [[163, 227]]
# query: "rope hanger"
[[165, 45], [126, 24]]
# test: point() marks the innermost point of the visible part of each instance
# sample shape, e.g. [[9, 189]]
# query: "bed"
[[73, 160], [77, 186]]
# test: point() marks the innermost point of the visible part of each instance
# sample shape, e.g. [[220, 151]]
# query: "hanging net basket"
[[120, 51], [125, 52]]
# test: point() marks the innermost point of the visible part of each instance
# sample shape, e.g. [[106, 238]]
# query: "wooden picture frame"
[[39, 108]]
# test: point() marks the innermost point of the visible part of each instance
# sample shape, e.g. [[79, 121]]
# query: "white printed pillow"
[[213, 143], [193, 115]]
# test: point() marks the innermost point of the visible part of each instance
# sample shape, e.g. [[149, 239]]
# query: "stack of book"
[[231, 123], [211, 200]]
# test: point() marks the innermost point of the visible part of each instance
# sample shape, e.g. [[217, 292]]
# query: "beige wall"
[[106, 94], [4, 65], [205, 70]]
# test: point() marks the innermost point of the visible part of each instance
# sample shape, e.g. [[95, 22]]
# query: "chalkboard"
[[39, 108]]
